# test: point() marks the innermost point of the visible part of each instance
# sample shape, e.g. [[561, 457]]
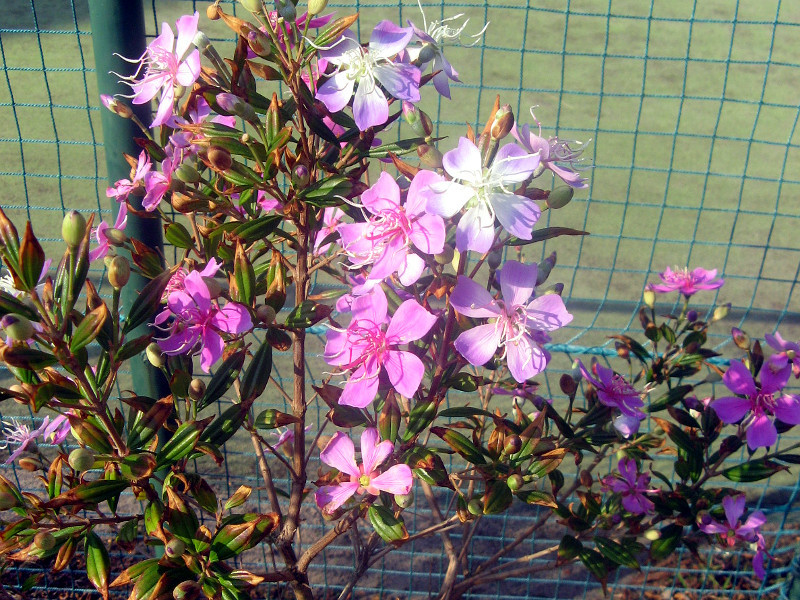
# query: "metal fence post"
[[118, 30]]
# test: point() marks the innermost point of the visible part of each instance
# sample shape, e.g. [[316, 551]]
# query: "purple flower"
[[167, 63], [758, 401], [340, 454], [100, 233], [614, 391], [686, 282], [364, 69], [518, 325], [14, 432], [197, 322], [367, 349], [385, 240], [157, 184], [123, 188], [731, 531], [631, 486], [787, 352], [485, 194], [331, 217], [559, 156]]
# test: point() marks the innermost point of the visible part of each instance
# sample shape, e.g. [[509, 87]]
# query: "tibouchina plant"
[[261, 170]]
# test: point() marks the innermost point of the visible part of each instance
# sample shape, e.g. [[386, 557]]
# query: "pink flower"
[[157, 184], [54, 432], [486, 194], [123, 188], [101, 230], [362, 69], [686, 282], [385, 240], [631, 486], [614, 391], [731, 532], [331, 218], [558, 156], [196, 322], [341, 455], [167, 63], [788, 352], [758, 401], [367, 349], [518, 325]]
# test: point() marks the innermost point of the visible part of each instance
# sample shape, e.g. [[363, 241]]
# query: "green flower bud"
[[503, 122], [174, 548], [513, 444], [404, 500], [300, 176], [44, 540], [475, 507], [494, 259], [721, 312], [197, 389], [515, 482], [429, 156], [119, 272], [254, 6], [652, 535], [559, 197], [73, 228], [30, 463], [17, 327], [81, 459], [187, 173], [219, 158], [232, 104], [155, 355], [446, 255], [288, 12], [116, 237], [316, 6], [186, 590], [266, 314], [649, 298]]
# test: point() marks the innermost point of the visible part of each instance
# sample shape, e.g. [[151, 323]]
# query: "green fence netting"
[[691, 107]]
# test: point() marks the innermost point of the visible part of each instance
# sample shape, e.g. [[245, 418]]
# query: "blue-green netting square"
[[691, 111]]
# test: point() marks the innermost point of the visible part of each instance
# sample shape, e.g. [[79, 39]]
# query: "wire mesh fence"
[[691, 110]]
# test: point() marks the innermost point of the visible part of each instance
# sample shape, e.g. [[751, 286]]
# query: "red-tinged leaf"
[[31, 259]]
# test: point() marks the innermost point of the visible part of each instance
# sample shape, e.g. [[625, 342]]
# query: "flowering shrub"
[[259, 192]]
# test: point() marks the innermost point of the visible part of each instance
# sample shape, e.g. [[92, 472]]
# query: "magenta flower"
[[100, 232], [363, 69], [758, 401], [558, 156], [385, 240], [331, 217], [787, 352], [157, 184], [340, 454], [485, 194], [167, 62], [686, 282], [17, 433], [123, 188], [631, 486], [197, 322], [614, 391], [731, 531], [367, 349], [518, 326]]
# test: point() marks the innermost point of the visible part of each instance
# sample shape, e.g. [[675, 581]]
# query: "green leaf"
[[596, 565], [92, 492], [670, 537], [257, 229], [755, 470], [98, 565], [239, 533], [460, 444], [536, 497], [390, 528], [256, 377], [307, 314], [677, 435], [177, 235], [244, 276], [569, 548], [543, 234], [179, 445], [616, 552], [399, 148], [419, 418], [462, 412], [427, 466], [498, 497], [147, 303], [673, 396], [222, 380], [464, 382], [31, 259], [89, 328], [9, 304], [225, 425], [329, 191]]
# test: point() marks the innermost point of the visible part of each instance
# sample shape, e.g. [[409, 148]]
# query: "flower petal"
[[401, 81], [475, 230], [340, 453], [359, 391], [395, 480], [525, 358], [473, 300], [739, 380], [517, 281], [547, 313], [331, 497], [731, 409], [478, 344], [787, 409], [336, 92], [373, 452], [387, 39], [410, 322], [405, 371], [761, 433], [516, 214], [370, 107], [384, 195], [513, 165], [464, 162]]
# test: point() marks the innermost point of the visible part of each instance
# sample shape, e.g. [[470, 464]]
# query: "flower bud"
[[119, 272], [514, 482], [17, 327], [494, 259], [44, 540], [545, 268], [419, 122], [259, 43], [503, 122], [186, 204], [649, 298], [212, 12], [445, 257], [559, 197], [586, 478], [18, 389], [266, 314], [155, 355], [288, 11], [118, 108], [740, 338], [174, 548], [426, 53], [73, 228], [187, 173], [316, 6], [475, 507], [721, 312], [576, 372], [429, 156], [219, 158], [300, 176], [81, 459], [404, 500], [652, 535], [30, 463], [232, 104], [187, 590], [7, 500], [201, 41], [692, 316], [513, 444], [254, 6], [116, 237], [197, 389]]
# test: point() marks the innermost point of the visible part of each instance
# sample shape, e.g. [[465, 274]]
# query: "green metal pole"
[[118, 30]]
